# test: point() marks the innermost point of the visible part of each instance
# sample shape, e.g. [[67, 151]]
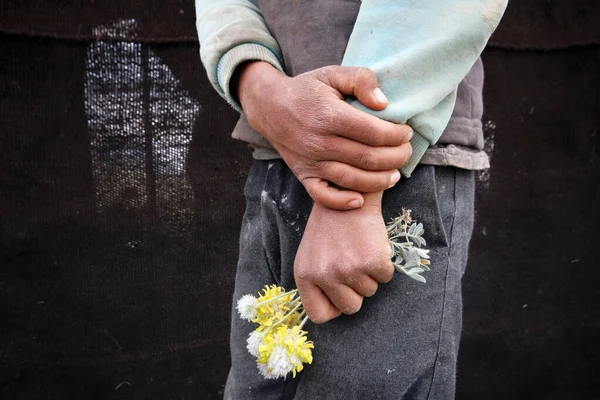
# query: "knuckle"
[[321, 74], [350, 309], [321, 273], [316, 193], [338, 261], [374, 135], [372, 292], [302, 171], [326, 148], [316, 318], [314, 148], [387, 252], [388, 273], [335, 118], [365, 74], [306, 169], [301, 274], [344, 178], [326, 121], [367, 159], [328, 69]]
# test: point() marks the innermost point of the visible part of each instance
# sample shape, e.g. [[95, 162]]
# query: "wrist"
[[371, 206], [256, 85], [372, 202], [252, 79]]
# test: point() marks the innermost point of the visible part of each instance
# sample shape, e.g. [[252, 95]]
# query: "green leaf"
[[418, 277], [422, 253], [419, 229], [416, 270], [412, 229]]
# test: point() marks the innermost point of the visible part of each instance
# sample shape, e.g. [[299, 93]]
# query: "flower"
[[274, 304], [279, 343], [255, 340], [406, 240], [264, 371], [247, 307], [284, 351]]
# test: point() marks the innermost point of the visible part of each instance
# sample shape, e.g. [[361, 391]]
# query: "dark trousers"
[[403, 343]]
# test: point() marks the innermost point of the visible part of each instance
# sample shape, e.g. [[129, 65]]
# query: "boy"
[[308, 143]]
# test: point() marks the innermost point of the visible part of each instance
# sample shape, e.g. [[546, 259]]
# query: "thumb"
[[329, 196], [361, 83]]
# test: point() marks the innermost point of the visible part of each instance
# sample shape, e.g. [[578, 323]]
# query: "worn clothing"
[[403, 343], [421, 52]]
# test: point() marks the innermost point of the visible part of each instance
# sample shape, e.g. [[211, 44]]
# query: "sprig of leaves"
[[408, 253]]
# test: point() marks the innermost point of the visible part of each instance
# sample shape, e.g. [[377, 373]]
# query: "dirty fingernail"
[[379, 96], [394, 178], [356, 203]]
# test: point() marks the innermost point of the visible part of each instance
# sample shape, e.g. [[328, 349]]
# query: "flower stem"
[[262, 303], [303, 322], [284, 318], [302, 314]]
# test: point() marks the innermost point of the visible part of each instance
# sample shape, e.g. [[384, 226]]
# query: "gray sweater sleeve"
[[232, 32]]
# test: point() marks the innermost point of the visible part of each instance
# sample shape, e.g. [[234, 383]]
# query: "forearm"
[[420, 52], [232, 32]]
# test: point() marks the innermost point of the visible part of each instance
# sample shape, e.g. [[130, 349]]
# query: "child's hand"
[[342, 258], [321, 137]]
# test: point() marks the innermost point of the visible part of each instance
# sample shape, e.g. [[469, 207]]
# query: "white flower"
[[264, 371], [247, 306], [255, 339], [279, 364]]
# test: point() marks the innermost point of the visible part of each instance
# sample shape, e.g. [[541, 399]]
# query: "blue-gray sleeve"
[[420, 51]]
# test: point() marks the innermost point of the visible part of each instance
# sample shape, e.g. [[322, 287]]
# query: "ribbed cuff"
[[419, 147], [236, 56]]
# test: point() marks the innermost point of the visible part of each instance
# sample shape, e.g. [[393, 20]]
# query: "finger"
[[353, 178], [316, 304], [344, 298], [366, 157], [364, 285], [329, 196], [358, 125], [383, 273], [361, 83]]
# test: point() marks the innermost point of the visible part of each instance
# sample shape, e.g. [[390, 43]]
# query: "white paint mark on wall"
[[115, 111]]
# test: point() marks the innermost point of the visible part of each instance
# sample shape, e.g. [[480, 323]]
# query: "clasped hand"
[[330, 145]]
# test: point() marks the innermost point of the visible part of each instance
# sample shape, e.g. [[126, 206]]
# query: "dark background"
[[120, 204]]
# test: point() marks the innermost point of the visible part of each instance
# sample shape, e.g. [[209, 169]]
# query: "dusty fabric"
[[403, 343]]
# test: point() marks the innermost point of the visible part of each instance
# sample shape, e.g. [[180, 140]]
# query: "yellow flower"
[[284, 351], [273, 305]]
